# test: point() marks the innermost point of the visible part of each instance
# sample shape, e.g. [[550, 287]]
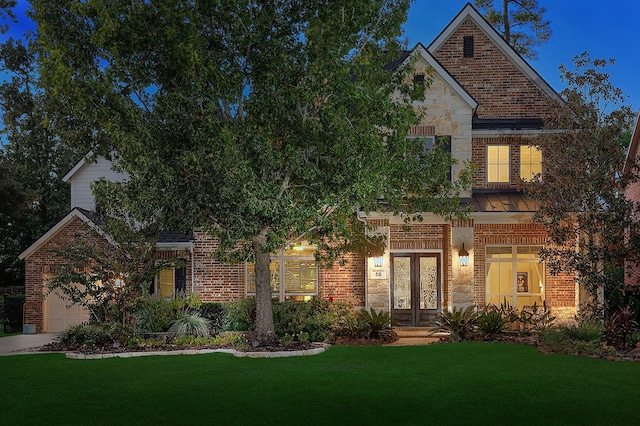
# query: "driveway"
[[11, 345]]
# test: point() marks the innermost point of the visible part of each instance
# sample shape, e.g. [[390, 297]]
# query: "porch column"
[[461, 289], [378, 277]]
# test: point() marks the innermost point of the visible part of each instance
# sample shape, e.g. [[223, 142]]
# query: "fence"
[[11, 311]]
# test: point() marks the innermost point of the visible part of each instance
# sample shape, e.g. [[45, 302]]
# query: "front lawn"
[[464, 383]]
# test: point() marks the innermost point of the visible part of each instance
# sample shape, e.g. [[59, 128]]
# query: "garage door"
[[59, 317]]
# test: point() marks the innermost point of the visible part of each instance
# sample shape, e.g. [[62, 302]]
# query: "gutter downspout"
[[193, 286]]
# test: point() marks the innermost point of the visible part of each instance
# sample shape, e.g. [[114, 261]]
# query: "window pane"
[[301, 249], [274, 266], [499, 252], [499, 278], [401, 283], [528, 252], [165, 282], [498, 163], [300, 276], [530, 161]]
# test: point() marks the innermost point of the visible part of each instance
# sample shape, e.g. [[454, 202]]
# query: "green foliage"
[[86, 334], [215, 313], [592, 229], [583, 339], [491, 322], [287, 339], [190, 324], [155, 314], [240, 315], [33, 159], [378, 323], [318, 318], [460, 323], [522, 26], [256, 146]]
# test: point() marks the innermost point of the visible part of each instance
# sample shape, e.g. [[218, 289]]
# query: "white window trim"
[[282, 294], [514, 271]]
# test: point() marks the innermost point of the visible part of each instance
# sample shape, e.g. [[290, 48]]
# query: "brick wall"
[[479, 156], [215, 281], [559, 290], [500, 88], [344, 283], [42, 263]]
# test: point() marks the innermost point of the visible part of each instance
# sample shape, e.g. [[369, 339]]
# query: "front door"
[[415, 288]]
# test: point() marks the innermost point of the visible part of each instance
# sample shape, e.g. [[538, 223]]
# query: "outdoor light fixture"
[[377, 262], [464, 256]]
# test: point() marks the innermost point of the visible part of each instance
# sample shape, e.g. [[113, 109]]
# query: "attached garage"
[[60, 315]]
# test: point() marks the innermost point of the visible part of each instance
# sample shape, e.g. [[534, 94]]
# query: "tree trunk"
[[265, 331], [505, 21]]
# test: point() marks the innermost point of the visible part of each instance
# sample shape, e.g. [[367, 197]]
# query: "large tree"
[[260, 122], [33, 154], [521, 23], [593, 229]]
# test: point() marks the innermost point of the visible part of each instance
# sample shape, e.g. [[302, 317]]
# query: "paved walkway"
[[10, 345]]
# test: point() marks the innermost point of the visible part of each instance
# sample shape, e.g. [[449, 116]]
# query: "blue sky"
[[606, 29]]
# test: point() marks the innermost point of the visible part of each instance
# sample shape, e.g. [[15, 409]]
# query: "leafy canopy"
[[521, 23], [593, 229]]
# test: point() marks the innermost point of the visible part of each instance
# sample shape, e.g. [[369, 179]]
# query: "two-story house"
[[490, 103]]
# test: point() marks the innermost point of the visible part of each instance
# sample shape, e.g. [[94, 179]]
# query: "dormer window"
[[468, 47]]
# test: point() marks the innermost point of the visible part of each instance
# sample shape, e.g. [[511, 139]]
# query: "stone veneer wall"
[[560, 291]]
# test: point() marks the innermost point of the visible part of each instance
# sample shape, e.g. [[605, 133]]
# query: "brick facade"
[[479, 156], [501, 89], [42, 264], [560, 291]]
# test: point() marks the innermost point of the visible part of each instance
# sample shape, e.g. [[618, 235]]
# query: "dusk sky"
[[606, 29]]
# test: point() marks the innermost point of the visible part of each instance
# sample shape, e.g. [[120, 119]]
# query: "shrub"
[[619, 328], [460, 323], [155, 314], [190, 324], [378, 324], [85, 335], [240, 315], [216, 314], [491, 322], [352, 325], [318, 318]]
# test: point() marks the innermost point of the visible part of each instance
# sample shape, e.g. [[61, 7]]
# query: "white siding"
[[81, 195]]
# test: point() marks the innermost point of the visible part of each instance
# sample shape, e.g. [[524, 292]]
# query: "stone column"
[[461, 287], [378, 278]]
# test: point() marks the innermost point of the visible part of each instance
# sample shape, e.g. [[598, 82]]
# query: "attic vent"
[[468, 47]]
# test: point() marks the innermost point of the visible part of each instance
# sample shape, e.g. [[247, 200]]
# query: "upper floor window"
[[530, 161], [294, 274], [498, 163]]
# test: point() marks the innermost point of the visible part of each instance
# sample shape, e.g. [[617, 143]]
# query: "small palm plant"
[[190, 324], [379, 323], [460, 323]]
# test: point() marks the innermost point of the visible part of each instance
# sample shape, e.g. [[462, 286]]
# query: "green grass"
[[465, 383]]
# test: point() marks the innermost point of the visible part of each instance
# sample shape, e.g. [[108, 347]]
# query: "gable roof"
[[470, 12], [77, 167], [81, 214], [419, 49]]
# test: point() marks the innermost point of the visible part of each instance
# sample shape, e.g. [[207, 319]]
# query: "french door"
[[415, 288]]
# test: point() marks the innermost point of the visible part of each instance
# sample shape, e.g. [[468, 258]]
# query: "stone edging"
[[240, 354]]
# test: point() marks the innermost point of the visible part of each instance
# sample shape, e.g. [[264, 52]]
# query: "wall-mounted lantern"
[[377, 261], [463, 255]]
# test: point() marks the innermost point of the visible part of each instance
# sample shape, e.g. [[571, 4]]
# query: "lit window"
[[530, 161], [498, 163], [294, 274], [170, 282], [514, 274]]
